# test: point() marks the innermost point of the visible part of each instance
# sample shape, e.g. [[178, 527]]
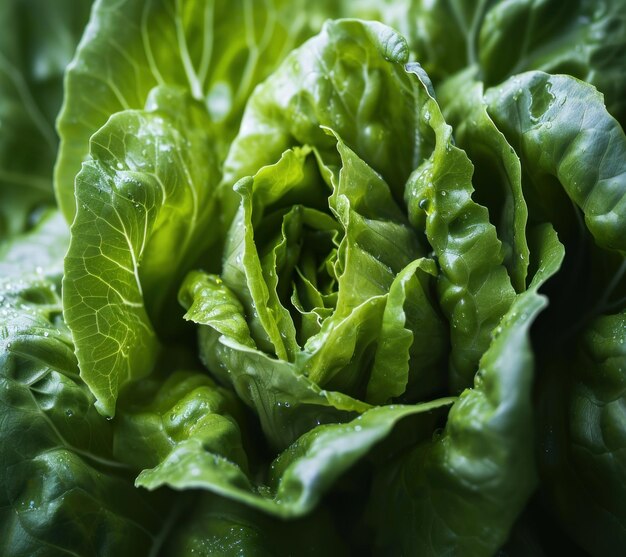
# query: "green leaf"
[[185, 413], [497, 171], [377, 244], [297, 478], [462, 491], [491, 41], [61, 490], [349, 78], [288, 403], [584, 454], [474, 288], [412, 340], [37, 40], [146, 206], [212, 303], [561, 130], [584, 38], [216, 50]]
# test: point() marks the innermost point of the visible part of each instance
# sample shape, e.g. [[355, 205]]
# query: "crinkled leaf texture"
[[349, 78], [474, 287], [61, 490], [497, 176], [320, 258], [207, 453], [462, 491]]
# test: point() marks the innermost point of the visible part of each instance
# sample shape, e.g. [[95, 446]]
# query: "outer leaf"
[[216, 50], [582, 38], [61, 492], [298, 477], [561, 129], [37, 40], [146, 207], [186, 411], [474, 288], [492, 41], [460, 493]]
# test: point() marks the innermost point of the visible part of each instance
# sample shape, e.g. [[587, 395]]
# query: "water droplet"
[[423, 204], [46, 334], [357, 428], [444, 193], [69, 413], [119, 166]]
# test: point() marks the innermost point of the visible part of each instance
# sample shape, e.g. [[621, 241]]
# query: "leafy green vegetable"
[[331, 278]]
